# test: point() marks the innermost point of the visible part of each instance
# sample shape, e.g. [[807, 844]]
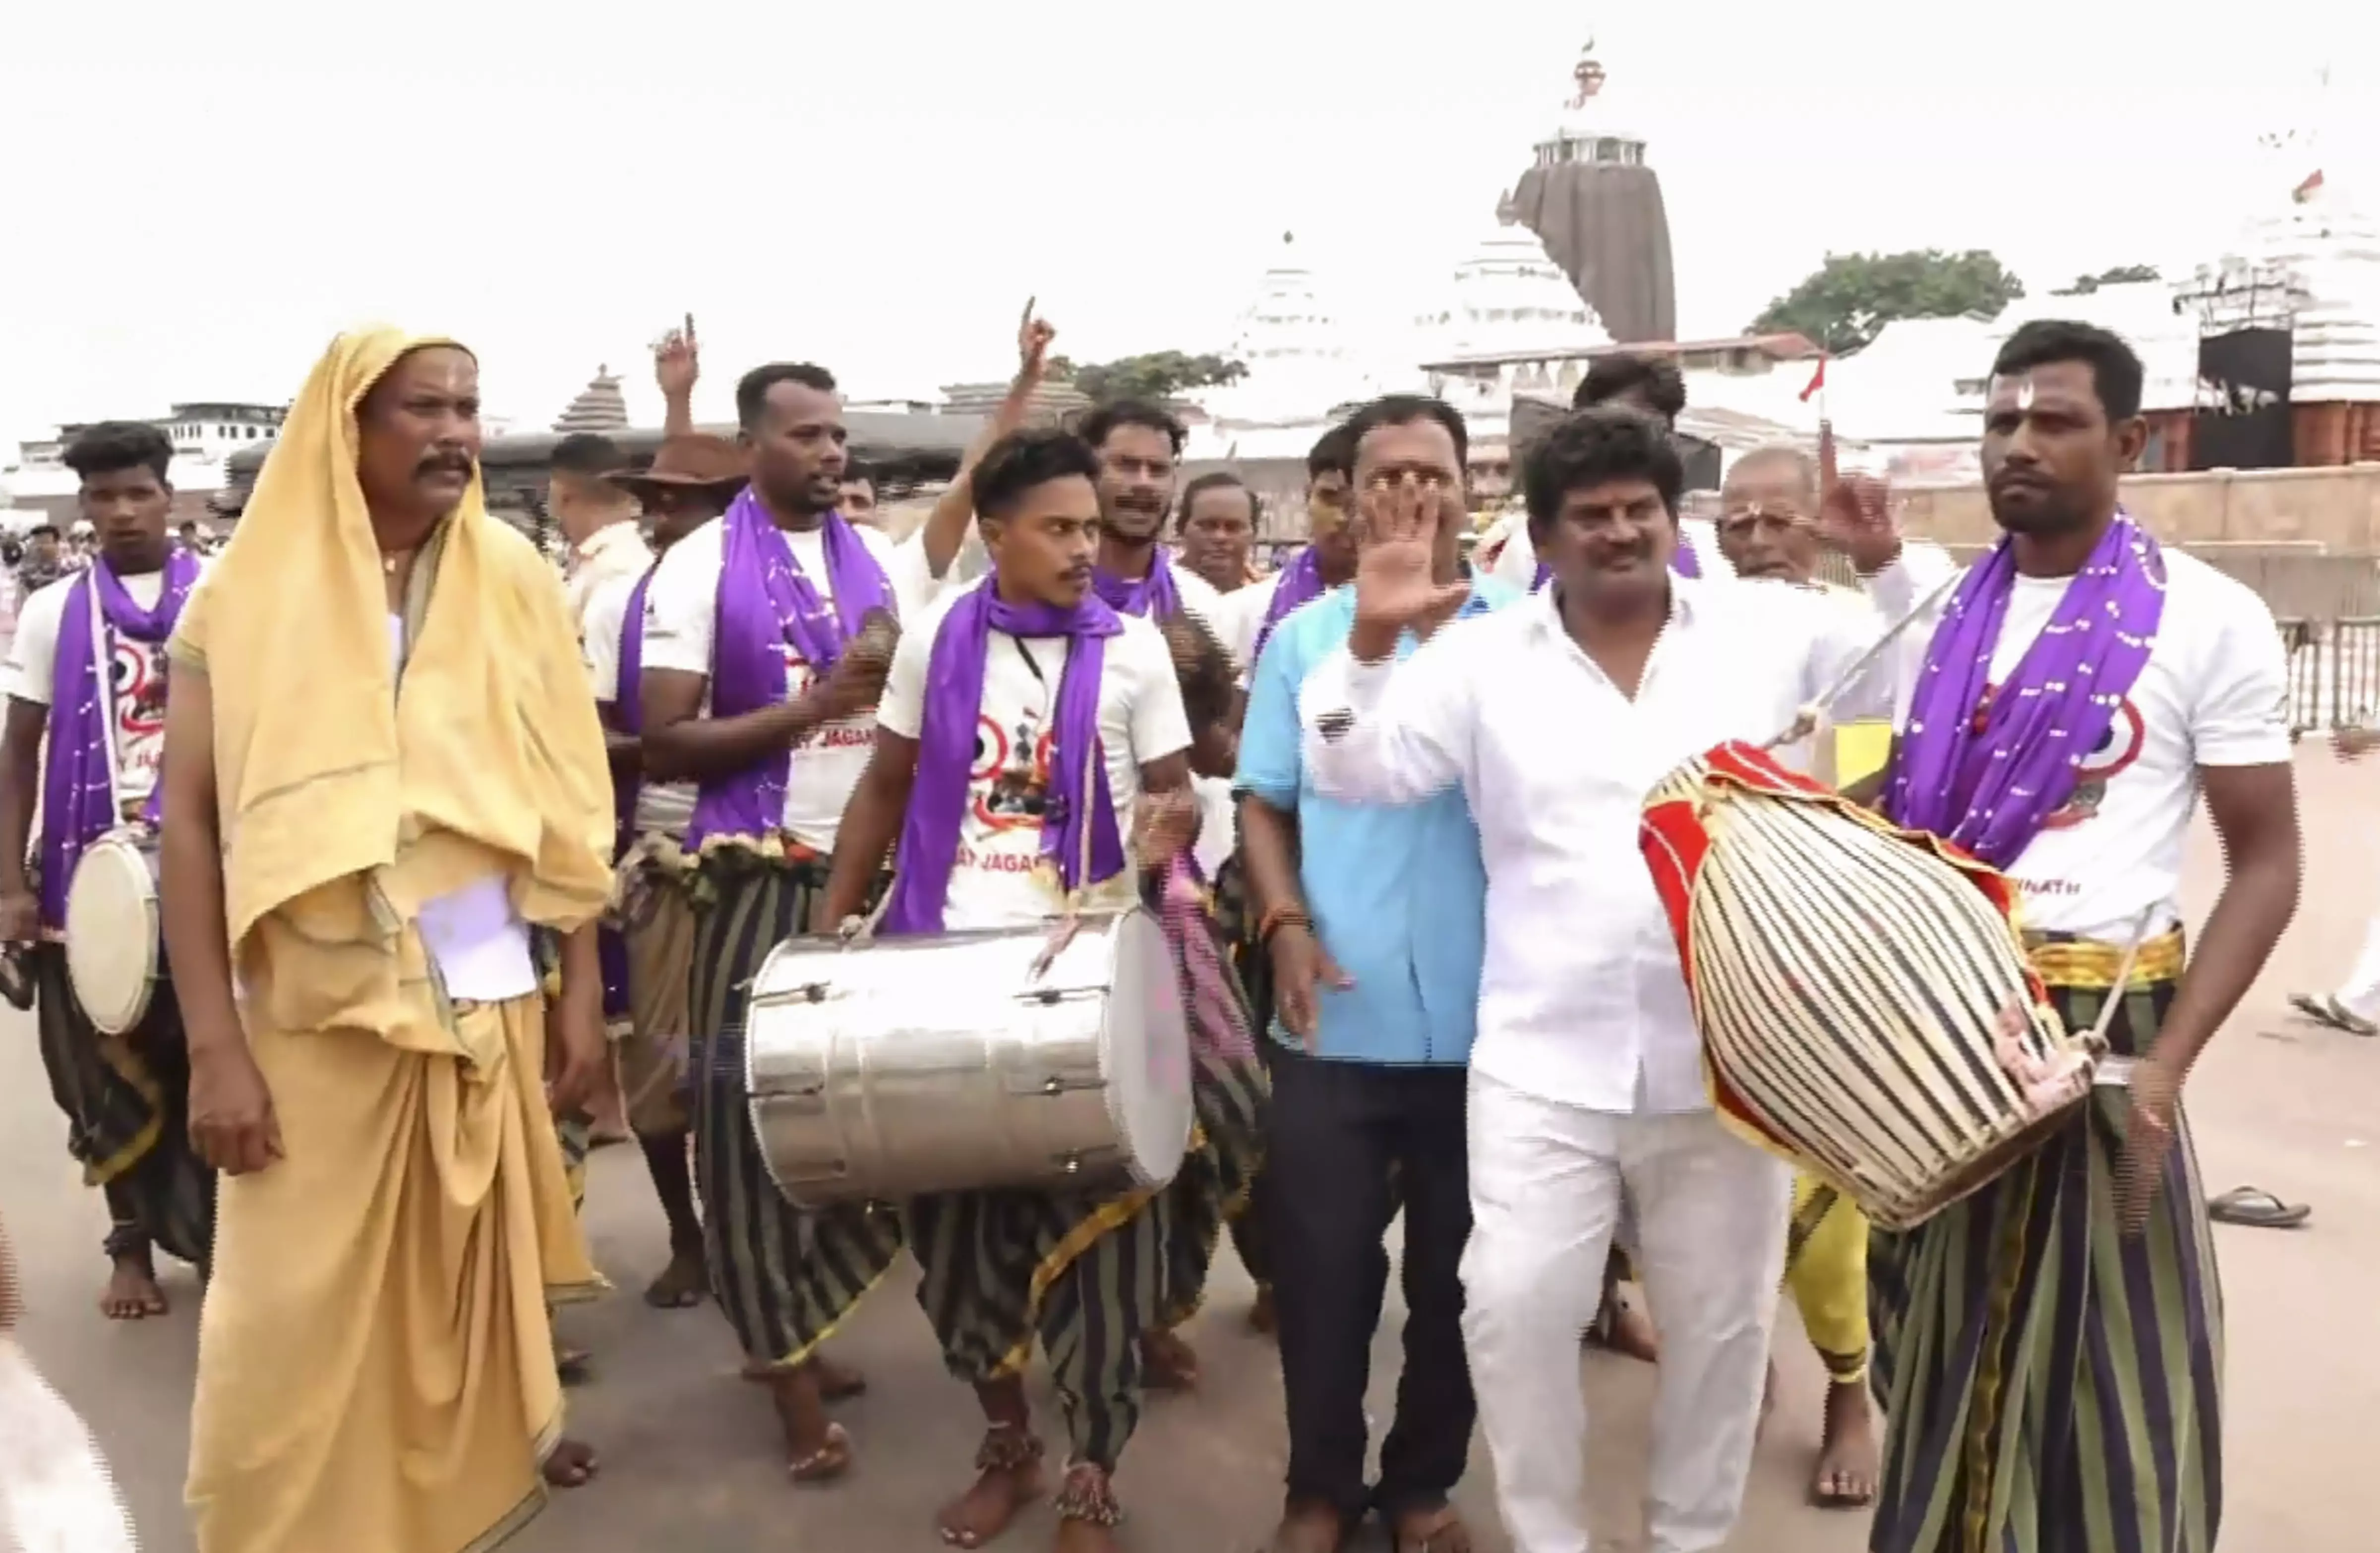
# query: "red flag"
[[1818, 381], [2307, 190]]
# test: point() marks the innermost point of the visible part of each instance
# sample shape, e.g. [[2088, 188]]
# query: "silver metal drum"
[[115, 947], [902, 1066]]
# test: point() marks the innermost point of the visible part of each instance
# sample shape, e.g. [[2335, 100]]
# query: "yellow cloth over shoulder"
[[349, 795]]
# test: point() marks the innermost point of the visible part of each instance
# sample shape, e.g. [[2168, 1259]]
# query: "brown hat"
[[688, 459]]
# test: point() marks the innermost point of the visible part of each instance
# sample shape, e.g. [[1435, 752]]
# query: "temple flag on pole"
[[2309, 189], [1817, 382]]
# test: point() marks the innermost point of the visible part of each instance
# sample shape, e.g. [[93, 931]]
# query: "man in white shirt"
[[86, 730], [982, 770], [767, 635], [597, 519], [2084, 686], [1586, 1078]]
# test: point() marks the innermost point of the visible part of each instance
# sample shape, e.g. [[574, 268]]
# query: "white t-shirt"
[[665, 807], [993, 882], [1243, 611], [137, 674], [2214, 692], [682, 612]]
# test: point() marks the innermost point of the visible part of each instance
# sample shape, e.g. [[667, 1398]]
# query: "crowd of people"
[[491, 864]]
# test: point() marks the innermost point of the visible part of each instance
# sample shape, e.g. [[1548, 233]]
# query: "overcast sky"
[[200, 195]]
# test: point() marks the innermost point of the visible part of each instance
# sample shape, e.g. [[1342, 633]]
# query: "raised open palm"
[[1395, 584]]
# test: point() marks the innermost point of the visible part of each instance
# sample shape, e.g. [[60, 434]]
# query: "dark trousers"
[[1337, 1132]]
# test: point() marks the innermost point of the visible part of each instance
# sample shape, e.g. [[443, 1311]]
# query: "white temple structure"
[[1299, 370], [1509, 322]]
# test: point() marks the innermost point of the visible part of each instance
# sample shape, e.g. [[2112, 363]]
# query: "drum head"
[[1149, 1039], [112, 933]]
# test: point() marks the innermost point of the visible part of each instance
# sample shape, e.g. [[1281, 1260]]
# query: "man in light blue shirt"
[[1372, 920]]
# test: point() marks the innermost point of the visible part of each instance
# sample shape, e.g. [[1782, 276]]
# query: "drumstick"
[[1805, 721], [2116, 1071]]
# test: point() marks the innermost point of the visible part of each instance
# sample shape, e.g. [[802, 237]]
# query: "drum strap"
[[100, 660], [1805, 721]]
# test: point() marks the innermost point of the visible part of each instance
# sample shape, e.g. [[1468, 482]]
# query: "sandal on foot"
[[2257, 1209], [826, 1463], [2330, 1011]]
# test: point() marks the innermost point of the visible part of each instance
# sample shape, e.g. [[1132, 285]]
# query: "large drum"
[[1865, 1005], [953, 1062], [115, 954]]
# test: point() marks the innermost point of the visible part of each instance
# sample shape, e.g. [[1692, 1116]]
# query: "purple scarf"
[[1682, 561], [1301, 583], [766, 604], [1154, 597], [937, 796], [1983, 767], [78, 806]]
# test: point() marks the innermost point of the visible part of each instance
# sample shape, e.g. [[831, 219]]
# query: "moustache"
[[448, 463]]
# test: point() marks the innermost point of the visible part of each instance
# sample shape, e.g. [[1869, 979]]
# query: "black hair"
[[588, 454], [1022, 460], [752, 393], [1594, 447], [855, 470], [1334, 453], [1215, 479], [2115, 368], [1653, 378], [38, 530], [1404, 409], [116, 445], [1100, 421]]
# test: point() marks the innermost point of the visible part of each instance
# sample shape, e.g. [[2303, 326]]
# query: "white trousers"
[[2361, 994], [1546, 1185]]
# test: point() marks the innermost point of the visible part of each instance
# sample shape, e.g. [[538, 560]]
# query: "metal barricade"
[[2353, 671]]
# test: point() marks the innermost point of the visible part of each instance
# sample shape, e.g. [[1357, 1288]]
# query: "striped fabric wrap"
[[1866, 1007]]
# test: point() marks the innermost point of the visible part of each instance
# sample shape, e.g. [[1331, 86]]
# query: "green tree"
[[1159, 374], [1842, 303], [2122, 274]]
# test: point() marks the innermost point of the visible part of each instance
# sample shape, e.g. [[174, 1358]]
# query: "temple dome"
[[1508, 298], [1588, 130], [1295, 351], [599, 407], [2331, 250]]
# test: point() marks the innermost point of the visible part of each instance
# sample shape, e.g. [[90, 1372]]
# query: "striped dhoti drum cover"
[[1865, 1005]]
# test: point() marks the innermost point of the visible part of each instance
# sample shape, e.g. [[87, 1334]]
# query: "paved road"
[[690, 1453]]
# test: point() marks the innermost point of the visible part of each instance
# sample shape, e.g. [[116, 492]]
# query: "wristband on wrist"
[[1277, 917]]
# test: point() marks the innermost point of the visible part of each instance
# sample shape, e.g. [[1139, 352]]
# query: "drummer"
[[995, 700], [757, 689], [1139, 447], [691, 481], [90, 639]]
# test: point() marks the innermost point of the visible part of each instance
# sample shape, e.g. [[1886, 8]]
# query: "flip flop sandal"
[[2328, 1011], [2257, 1209]]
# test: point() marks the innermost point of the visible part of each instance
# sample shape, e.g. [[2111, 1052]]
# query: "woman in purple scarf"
[[1027, 724], [2049, 1348], [86, 712]]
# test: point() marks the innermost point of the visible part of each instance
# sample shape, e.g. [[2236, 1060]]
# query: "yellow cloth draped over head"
[[352, 788]]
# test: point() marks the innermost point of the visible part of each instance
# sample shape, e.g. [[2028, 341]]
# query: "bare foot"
[[1087, 1513], [815, 1451], [1261, 1316], [571, 1362], [1848, 1461], [1168, 1363], [835, 1383], [1309, 1526], [1008, 1477], [1625, 1329], [684, 1282], [132, 1292], [571, 1465], [1434, 1530]]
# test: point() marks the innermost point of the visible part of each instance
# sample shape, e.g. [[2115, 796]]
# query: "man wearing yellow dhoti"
[[386, 771]]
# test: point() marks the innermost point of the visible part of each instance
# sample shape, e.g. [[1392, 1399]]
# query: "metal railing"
[[2334, 672]]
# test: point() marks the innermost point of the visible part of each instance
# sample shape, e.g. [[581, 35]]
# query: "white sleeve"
[[1160, 726], [901, 707], [1390, 733], [1914, 580], [32, 655], [914, 585], [1841, 632], [2240, 700], [682, 608], [599, 642], [1517, 561]]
